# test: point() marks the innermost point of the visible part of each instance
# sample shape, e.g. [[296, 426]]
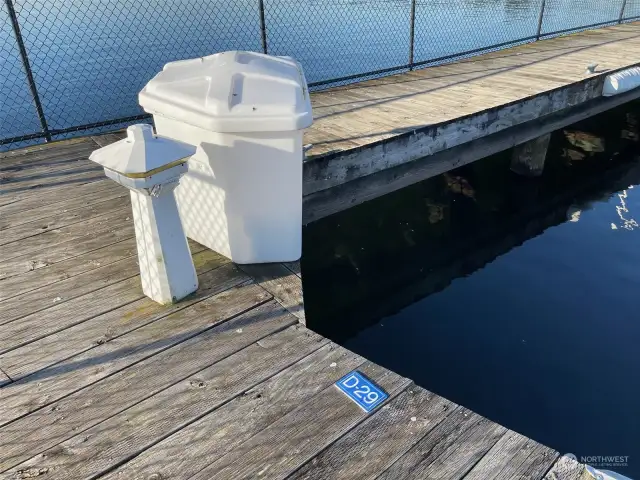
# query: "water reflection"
[[453, 224], [513, 297]]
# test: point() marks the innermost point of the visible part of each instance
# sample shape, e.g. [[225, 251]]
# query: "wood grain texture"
[[109, 138], [420, 140], [514, 456], [46, 275], [108, 260], [46, 153], [567, 468], [326, 202], [42, 174], [48, 427], [64, 217], [279, 281], [50, 202], [450, 450], [103, 328], [227, 384], [375, 444], [126, 434], [408, 116], [60, 316], [13, 215], [76, 286], [104, 222], [294, 439], [234, 423], [539, 461], [27, 190], [96, 237], [148, 335]]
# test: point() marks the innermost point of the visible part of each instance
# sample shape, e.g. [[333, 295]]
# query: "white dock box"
[[245, 112]]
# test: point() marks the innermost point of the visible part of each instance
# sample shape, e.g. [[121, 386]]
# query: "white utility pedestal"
[[151, 166], [242, 196]]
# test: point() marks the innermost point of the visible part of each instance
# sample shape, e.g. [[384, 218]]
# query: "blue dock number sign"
[[366, 394]]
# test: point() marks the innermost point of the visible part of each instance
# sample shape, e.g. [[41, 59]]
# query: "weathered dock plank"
[[23, 438], [417, 119], [108, 444], [514, 456], [97, 381], [453, 446], [34, 175], [221, 431], [295, 438], [57, 380], [4, 378], [99, 331], [41, 277], [104, 221], [49, 203], [568, 469], [102, 276], [63, 218], [98, 235], [64, 152], [374, 445], [60, 316], [276, 279], [32, 190]]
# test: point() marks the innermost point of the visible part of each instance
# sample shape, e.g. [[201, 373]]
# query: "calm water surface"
[[515, 298]]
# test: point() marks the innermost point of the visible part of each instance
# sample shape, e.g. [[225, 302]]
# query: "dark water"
[[90, 58], [516, 298]]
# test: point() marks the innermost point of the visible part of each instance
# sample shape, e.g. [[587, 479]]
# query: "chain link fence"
[[74, 67]]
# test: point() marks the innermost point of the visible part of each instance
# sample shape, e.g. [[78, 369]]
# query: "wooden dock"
[[381, 135], [97, 381]]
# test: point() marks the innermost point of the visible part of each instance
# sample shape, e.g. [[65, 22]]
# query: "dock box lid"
[[142, 154], [232, 92]]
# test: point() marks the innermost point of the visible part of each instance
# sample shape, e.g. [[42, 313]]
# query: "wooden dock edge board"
[[332, 200], [329, 170], [566, 468], [281, 282]]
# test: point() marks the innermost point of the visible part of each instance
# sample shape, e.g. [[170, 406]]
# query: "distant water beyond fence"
[[74, 67]]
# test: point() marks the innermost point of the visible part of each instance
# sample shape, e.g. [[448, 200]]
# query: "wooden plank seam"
[[223, 403]]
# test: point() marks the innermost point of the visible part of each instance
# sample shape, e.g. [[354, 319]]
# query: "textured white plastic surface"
[[166, 268], [621, 82], [242, 196], [141, 152], [232, 92]]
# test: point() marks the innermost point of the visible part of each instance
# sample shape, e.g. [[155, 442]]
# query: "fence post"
[[412, 32], [624, 6], [540, 19], [27, 69], [263, 27]]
